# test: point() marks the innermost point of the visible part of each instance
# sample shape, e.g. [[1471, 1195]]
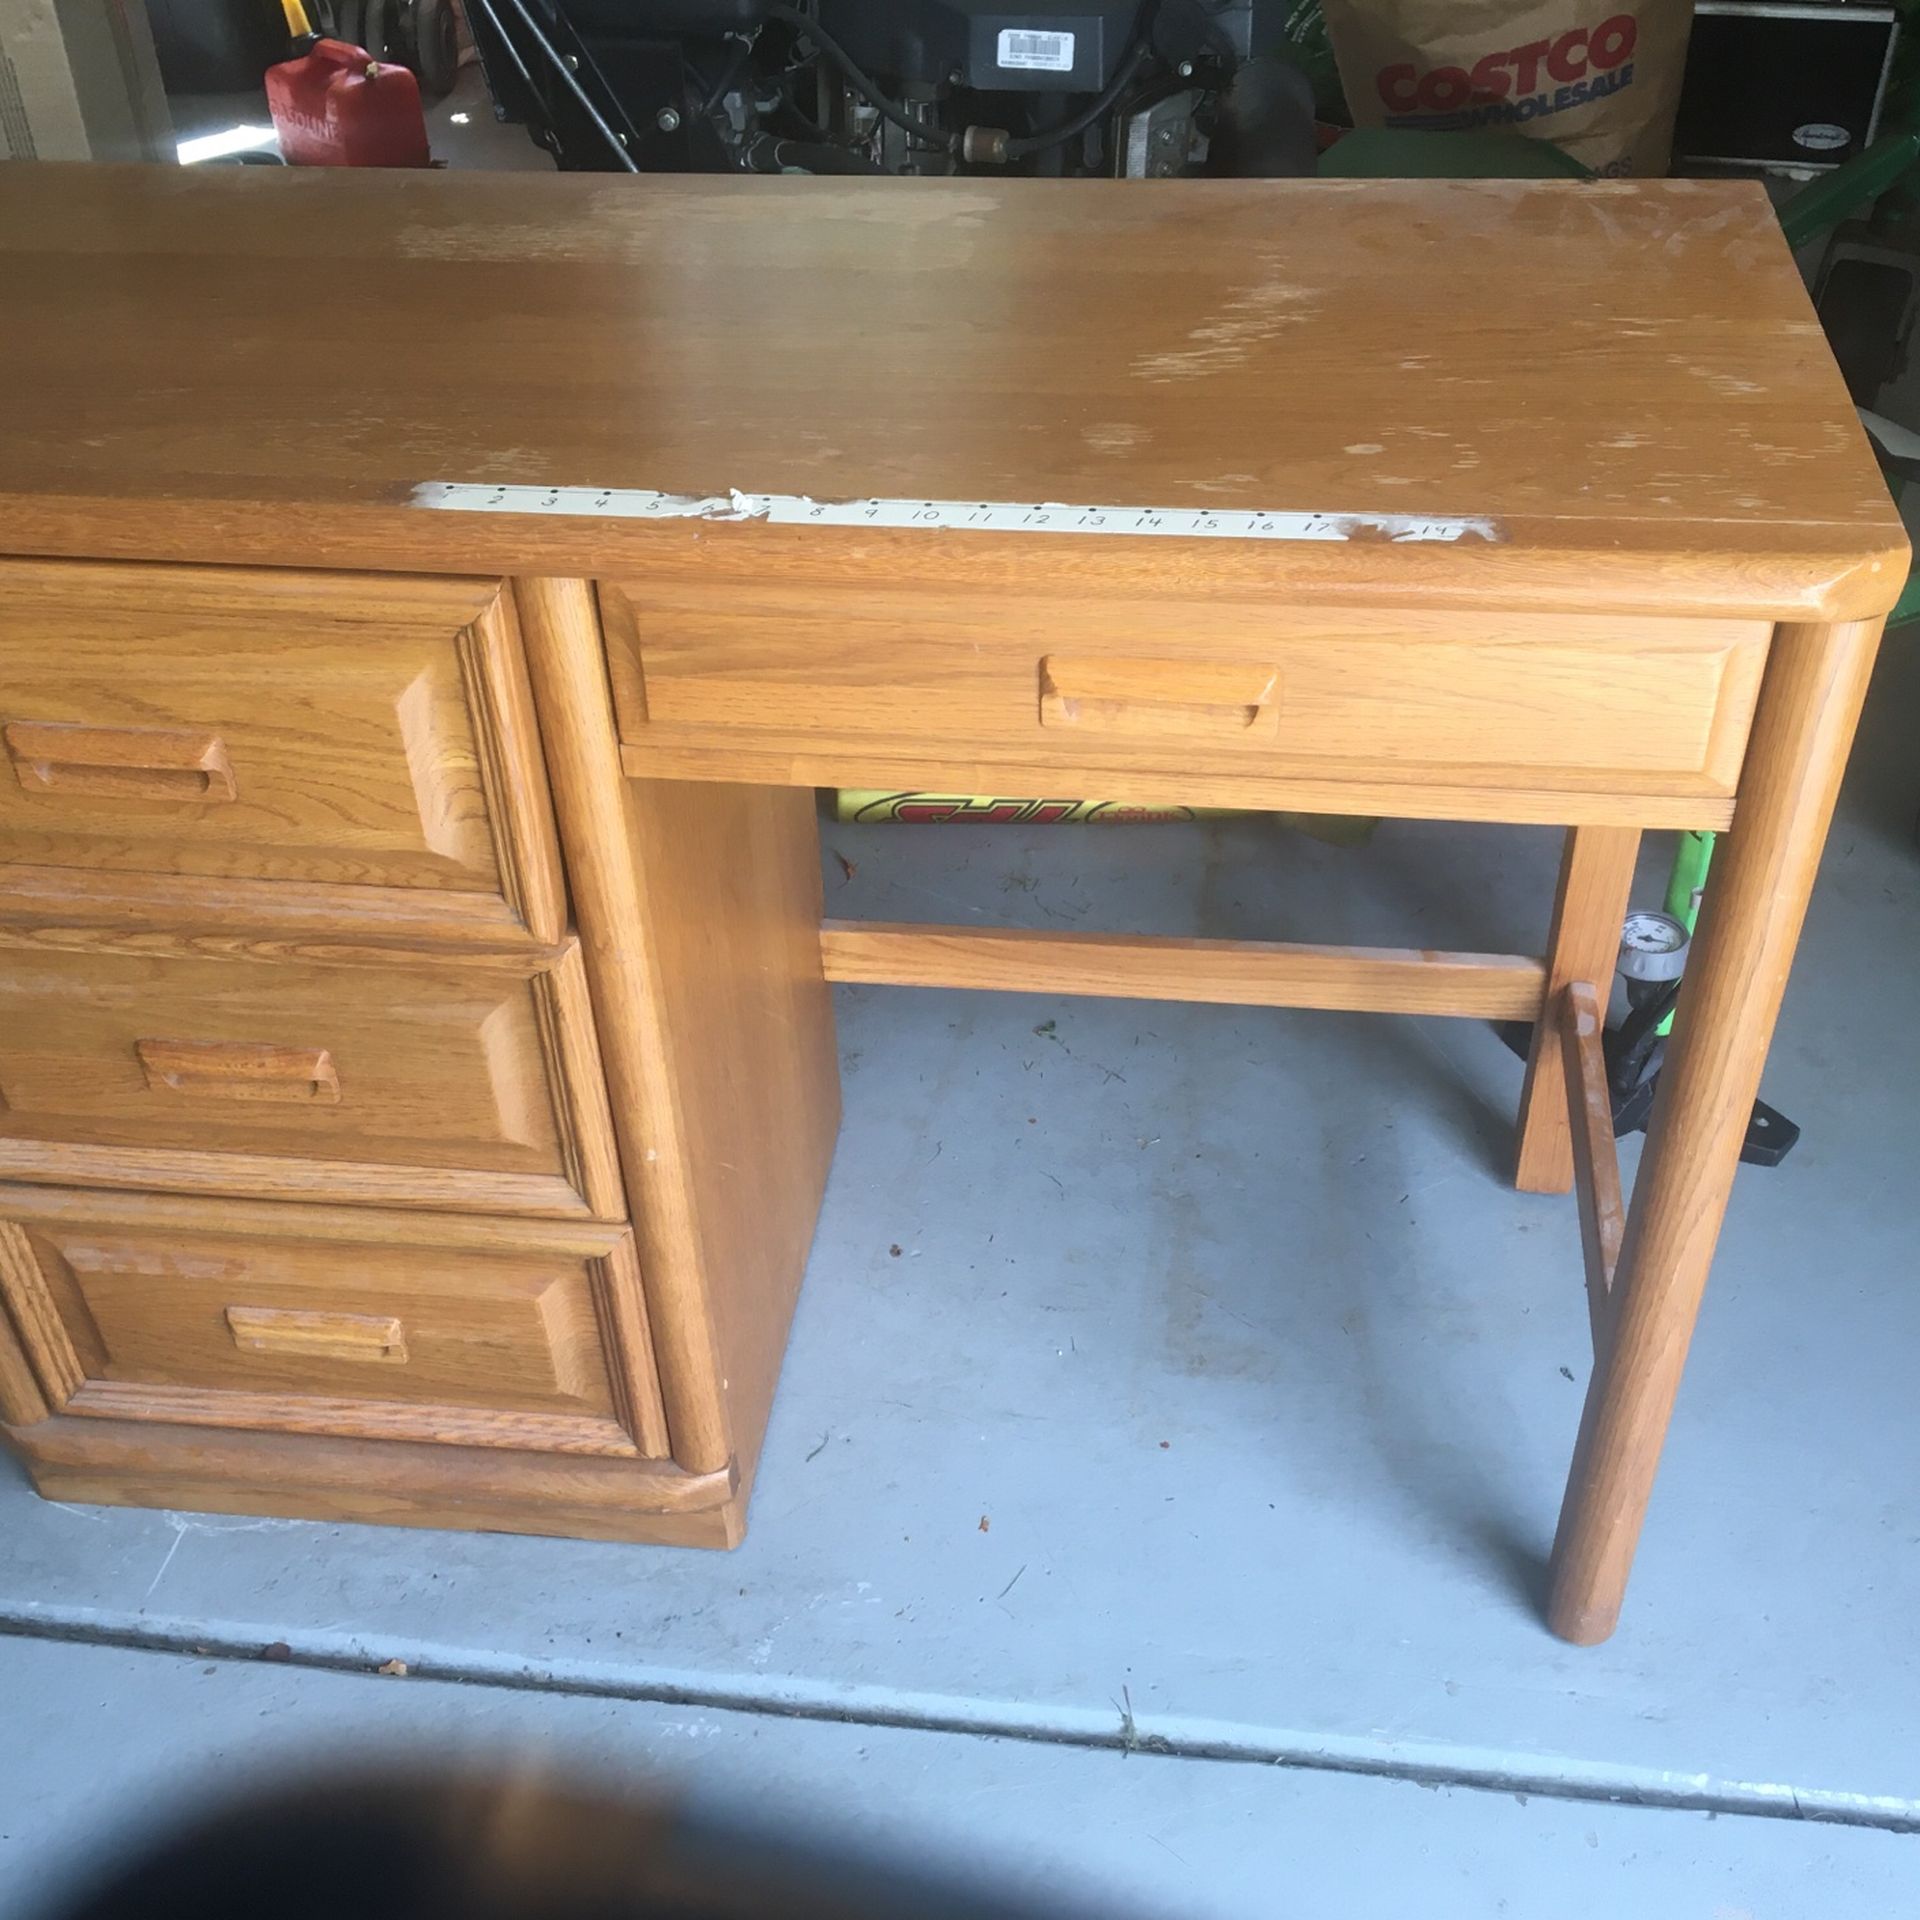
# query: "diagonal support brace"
[[1581, 1019]]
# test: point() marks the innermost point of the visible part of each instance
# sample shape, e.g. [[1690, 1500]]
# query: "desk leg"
[[1756, 902], [1596, 876]]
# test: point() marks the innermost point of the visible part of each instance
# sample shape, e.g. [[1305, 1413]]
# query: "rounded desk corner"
[[1867, 588]]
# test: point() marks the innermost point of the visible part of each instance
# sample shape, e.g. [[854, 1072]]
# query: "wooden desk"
[[417, 1074]]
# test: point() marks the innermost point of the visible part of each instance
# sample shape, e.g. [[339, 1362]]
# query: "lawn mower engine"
[[1124, 88]]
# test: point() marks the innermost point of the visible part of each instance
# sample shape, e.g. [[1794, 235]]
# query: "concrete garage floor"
[[1164, 1518]]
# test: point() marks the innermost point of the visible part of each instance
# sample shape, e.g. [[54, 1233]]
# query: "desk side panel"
[[699, 910]]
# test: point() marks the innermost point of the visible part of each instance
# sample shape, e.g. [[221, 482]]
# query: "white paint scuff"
[[957, 516]]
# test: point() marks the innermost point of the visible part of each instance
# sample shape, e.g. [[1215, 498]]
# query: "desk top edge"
[[1557, 362]]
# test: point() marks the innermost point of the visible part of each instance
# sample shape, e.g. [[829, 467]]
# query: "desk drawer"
[[316, 1320], [840, 678], [432, 1082], [272, 745]]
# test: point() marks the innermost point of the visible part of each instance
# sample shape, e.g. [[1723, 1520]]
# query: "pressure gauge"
[[1653, 948]]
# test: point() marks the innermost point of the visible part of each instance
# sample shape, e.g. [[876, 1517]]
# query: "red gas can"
[[336, 106]]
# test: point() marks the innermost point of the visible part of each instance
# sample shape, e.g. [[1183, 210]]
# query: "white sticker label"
[[1029, 52], [948, 516], [1821, 136]]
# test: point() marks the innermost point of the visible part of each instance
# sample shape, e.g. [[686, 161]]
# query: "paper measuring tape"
[[947, 516]]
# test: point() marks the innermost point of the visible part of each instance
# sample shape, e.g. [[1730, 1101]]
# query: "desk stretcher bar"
[[1230, 973]]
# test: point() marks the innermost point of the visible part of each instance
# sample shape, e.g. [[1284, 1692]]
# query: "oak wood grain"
[[310, 917], [383, 1482], [345, 1226], [38, 1367], [1110, 690], [306, 1320], [1238, 973], [1163, 699], [225, 728], [1658, 424], [21, 1401], [476, 1084], [279, 1409], [1577, 1020], [121, 763], [275, 1494], [699, 912], [189, 1170], [734, 900], [370, 1337], [1750, 923], [239, 1070], [620, 1297], [577, 1084], [1583, 943], [319, 945], [561, 626], [526, 843], [909, 770]]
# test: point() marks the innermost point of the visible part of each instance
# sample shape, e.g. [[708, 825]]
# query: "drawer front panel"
[[448, 1083], [517, 1336], [369, 737], [1492, 701]]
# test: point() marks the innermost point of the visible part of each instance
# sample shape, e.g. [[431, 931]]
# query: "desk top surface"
[[1622, 389]]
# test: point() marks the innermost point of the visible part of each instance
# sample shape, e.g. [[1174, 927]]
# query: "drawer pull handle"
[[1171, 699], [120, 763], [239, 1070], [319, 1336]]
